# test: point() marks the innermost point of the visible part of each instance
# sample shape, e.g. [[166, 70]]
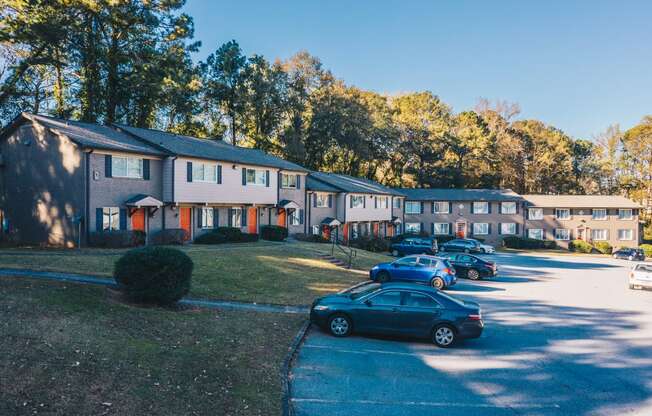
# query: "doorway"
[[138, 220], [460, 229], [185, 215], [252, 220]]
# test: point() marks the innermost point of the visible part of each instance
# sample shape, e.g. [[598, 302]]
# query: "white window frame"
[[357, 201], [113, 215], [256, 177], [293, 218], [289, 181], [502, 228], [206, 214], [409, 207], [604, 237], [606, 214], [510, 203], [441, 228], [315, 230], [437, 205], [628, 217], [236, 217], [383, 202], [539, 231], [629, 231], [534, 217], [130, 163], [562, 218], [355, 230], [322, 200], [483, 231], [559, 237], [476, 204], [201, 172], [412, 227]]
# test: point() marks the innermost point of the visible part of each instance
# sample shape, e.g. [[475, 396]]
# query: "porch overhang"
[[143, 201], [331, 222], [287, 204], [396, 220]]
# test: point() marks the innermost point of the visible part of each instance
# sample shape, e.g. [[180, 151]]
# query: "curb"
[[287, 409]]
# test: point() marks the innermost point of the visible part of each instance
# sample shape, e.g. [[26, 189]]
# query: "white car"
[[641, 276], [484, 248]]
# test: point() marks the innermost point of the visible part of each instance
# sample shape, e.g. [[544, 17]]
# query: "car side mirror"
[[395, 264], [367, 302]]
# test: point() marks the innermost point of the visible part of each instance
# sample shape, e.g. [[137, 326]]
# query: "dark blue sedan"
[[414, 245], [426, 270], [398, 309]]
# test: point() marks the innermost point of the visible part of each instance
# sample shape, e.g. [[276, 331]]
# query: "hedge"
[[273, 232], [170, 236], [528, 243], [374, 244], [603, 247], [116, 239], [580, 246], [311, 238], [221, 235], [154, 274], [647, 249]]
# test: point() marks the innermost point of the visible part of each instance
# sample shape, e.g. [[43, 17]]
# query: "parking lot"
[[564, 335]]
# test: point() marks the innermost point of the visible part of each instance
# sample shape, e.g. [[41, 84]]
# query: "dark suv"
[[629, 254], [462, 245], [414, 245]]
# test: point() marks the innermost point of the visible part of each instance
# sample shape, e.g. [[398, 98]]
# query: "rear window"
[[644, 268]]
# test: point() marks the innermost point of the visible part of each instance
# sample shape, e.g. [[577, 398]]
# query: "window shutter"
[[517, 204], [500, 229], [99, 216], [300, 217], [146, 169], [298, 181], [200, 211], [216, 217], [421, 227], [450, 228], [432, 228], [267, 178], [330, 201], [189, 172], [364, 201], [421, 208], [123, 219], [489, 207], [375, 202], [350, 201], [500, 207], [399, 202], [450, 207], [243, 217], [489, 228], [108, 166], [244, 176], [471, 228], [472, 207], [314, 200], [230, 215], [432, 207], [516, 228], [219, 173]]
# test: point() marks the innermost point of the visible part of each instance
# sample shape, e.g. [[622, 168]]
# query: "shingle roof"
[[319, 186], [346, 183], [445, 194], [209, 149], [580, 201], [94, 135]]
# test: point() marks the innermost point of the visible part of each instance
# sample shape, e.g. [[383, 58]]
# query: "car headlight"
[[320, 307]]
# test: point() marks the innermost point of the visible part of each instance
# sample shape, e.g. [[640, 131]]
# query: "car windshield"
[[644, 268], [362, 290]]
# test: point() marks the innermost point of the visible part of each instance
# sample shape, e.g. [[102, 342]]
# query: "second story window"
[[382, 202], [508, 207], [625, 214], [480, 207], [127, 167], [562, 213], [204, 172], [321, 201], [288, 181], [413, 207], [256, 177], [440, 207], [535, 213], [599, 214], [396, 202], [357, 201]]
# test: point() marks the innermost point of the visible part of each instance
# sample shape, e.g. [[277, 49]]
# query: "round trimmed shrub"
[[647, 248], [154, 274], [273, 232], [603, 247], [580, 246], [212, 237]]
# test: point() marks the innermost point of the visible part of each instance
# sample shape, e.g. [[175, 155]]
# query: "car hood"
[[383, 265], [333, 299]]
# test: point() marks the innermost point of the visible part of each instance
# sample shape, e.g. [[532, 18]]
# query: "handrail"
[[348, 251]]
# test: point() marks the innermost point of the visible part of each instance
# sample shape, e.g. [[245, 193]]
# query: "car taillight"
[[631, 274], [475, 317], [448, 270]]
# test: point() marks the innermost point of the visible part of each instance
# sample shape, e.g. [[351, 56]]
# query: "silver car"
[[641, 276]]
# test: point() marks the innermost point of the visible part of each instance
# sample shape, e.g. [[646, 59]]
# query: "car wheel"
[[631, 287], [630, 258], [340, 325], [443, 336], [438, 283], [473, 274], [383, 277], [395, 253], [483, 251], [466, 250]]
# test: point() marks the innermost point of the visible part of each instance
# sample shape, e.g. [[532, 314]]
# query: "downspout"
[[306, 220], [87, 198]]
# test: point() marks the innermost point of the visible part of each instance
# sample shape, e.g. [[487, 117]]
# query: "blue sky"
[[578, 65]]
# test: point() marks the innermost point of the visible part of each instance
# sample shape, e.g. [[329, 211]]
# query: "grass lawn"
[[66, 349], [263, 272]]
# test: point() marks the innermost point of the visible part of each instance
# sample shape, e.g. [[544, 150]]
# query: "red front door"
[[138, 220], [326, 232], [185, 215], [280, 220], [376, 229], [345, 232], [252, 220]]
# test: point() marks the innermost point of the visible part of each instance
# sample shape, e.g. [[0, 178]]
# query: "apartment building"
[[591, 218], [490, 214], [345, 207], [61, 180]]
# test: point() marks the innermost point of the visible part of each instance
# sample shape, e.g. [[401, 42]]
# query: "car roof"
[[408, 286]]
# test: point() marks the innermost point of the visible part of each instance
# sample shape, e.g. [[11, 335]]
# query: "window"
[[535, 213], [295, 218], [236, 217], [384, 202], [426, 262], [480, 207], [508, 207], [599, 214], [625, 214], [288, 181], [480, 228], [204, 172], [440, 207], [355, 230], [562, 234], [535, 233], [508, 228], [407, 261], [110, 218], [412, 207], [412, 227], [314, 230], [322, 200], [418, 300], [562, 213], [256, 177], [440, 228], [357, 201], [207, 217], [466, 259], [126, 167], [599, 235], [396, 202], [387, 299], [626, 235]]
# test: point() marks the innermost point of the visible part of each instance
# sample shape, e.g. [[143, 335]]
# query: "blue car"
[[414, 245], [424, 269]]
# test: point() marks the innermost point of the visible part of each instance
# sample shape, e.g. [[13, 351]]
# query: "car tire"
[[438, 283], [631, 287], [444, 336], [630, 258], [483, 251], [466, 250], [473, 274], [395, 253], [340, 325], [383, 277]]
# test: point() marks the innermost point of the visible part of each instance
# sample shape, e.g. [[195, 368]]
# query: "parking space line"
[[428, 404], [369, 351]]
